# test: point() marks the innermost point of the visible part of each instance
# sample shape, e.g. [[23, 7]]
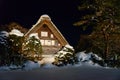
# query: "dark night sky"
[[26, 12]]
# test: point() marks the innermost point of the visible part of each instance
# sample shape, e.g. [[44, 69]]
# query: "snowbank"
[[16, 32], [47, 61], [69, 73], [87, 59], [4, 68], [9, 68], [29, 65], [82, 56], [84, 61]]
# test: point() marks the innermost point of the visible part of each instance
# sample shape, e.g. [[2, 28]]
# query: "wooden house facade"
[[50, 37]]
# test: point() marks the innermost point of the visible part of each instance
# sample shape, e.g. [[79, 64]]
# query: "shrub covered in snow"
[[32, 48], [15, 51], [14, 45], [65, 56], [4, 48], [11, 48], [89, 58]]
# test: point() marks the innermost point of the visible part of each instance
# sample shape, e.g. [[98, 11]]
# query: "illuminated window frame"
[[44, 34]]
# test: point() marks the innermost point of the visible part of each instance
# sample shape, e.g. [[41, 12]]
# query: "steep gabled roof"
[[45, 19]]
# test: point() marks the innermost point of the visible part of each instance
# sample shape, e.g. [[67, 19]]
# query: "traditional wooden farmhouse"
[[50, 37]]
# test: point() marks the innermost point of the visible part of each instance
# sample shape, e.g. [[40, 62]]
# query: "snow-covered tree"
[[4, 48], [11, 49], [65, 56], [15, 43], [32, 48]]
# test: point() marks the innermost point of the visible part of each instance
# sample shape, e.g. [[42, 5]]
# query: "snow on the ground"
[[29, 65], [46, 62], [35, 71], [5, 68], [9, 68], [69, 73], [16, 32], [47, 59]]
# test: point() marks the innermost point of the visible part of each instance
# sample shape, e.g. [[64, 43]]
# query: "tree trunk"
[[106, 41], [106, 50]]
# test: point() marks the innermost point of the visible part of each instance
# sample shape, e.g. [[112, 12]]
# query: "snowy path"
[[47, 59], [64, 73]]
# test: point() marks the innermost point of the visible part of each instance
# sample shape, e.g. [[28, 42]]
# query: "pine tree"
[[4, 48], [32, 47], [65, 56], [103, 16], [15, 50]]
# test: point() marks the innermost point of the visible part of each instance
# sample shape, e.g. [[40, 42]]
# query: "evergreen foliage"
[[103, 16], [32, 48], [4, 51], [65, 56], [15, 50]]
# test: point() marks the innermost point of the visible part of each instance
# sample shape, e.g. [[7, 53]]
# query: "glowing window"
[[42, 42], [59, 44], [51, 36], [48, 42], [53, 42], [44, 34]]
